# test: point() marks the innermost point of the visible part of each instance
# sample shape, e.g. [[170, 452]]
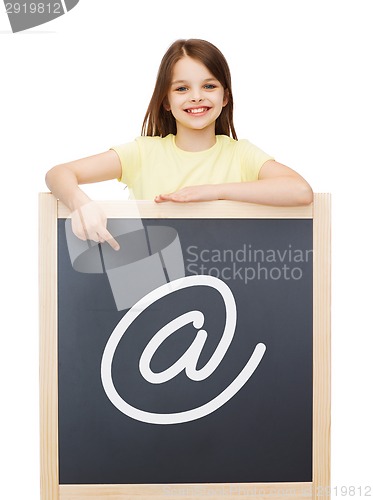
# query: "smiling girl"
[[188, 150]]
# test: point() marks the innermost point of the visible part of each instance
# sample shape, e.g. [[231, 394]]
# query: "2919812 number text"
[[33, 8], [343, 491]]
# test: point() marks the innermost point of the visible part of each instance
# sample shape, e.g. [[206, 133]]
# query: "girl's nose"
[[196, 98]]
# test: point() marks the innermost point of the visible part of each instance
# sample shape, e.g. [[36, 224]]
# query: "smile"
[[197, 111]]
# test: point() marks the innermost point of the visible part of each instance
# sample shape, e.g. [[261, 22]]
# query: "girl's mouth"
[[197, 111]]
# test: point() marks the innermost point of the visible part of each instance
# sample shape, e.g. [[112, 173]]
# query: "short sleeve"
[[129, 156], [252, 159]]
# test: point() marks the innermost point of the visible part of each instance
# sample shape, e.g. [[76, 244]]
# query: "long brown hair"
[[160, 122]]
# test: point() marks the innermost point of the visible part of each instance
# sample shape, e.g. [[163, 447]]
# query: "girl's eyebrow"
[[185, 81]]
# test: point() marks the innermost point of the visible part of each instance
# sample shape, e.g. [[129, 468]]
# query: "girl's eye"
[[210, 86], [181, 89]]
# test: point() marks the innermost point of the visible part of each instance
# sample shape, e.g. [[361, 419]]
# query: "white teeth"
[[197, 110]]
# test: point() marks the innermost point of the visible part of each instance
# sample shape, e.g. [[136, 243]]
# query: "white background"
[[302, 83]]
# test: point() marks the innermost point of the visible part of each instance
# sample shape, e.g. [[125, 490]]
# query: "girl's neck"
[[195, 140]]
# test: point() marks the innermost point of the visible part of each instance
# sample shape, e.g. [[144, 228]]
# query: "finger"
[[78, 228], [92, 234], [106, 236], [176, 197], [162, 197], [80, 233], [82, 224]]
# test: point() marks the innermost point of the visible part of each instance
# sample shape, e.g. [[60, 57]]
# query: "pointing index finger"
[[110, 240]]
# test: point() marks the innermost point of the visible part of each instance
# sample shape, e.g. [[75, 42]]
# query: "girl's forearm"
[[64, 185], [279, 191]]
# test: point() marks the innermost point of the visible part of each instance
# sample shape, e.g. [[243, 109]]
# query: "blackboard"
[[249, 420]]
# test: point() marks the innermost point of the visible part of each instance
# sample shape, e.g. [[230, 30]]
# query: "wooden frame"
[[319, 211]]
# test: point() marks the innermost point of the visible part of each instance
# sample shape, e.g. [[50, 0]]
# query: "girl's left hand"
[[207, 192]]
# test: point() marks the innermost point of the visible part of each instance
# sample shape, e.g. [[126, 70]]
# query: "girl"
[[188, 150]]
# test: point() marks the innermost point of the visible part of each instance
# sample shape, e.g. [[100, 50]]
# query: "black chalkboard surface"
[[262, 433]]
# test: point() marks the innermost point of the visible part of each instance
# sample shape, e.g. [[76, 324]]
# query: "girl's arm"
[[88, 219], [277, 185]]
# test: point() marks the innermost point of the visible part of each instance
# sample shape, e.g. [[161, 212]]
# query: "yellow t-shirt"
[[155, 165]]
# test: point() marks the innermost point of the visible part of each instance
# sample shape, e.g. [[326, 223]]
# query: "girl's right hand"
[[89, 223]]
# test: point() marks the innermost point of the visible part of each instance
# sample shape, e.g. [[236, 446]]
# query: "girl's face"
[[195, 98]]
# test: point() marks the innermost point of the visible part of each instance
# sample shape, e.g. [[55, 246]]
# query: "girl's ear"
[[226, 97], [166, 104]]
